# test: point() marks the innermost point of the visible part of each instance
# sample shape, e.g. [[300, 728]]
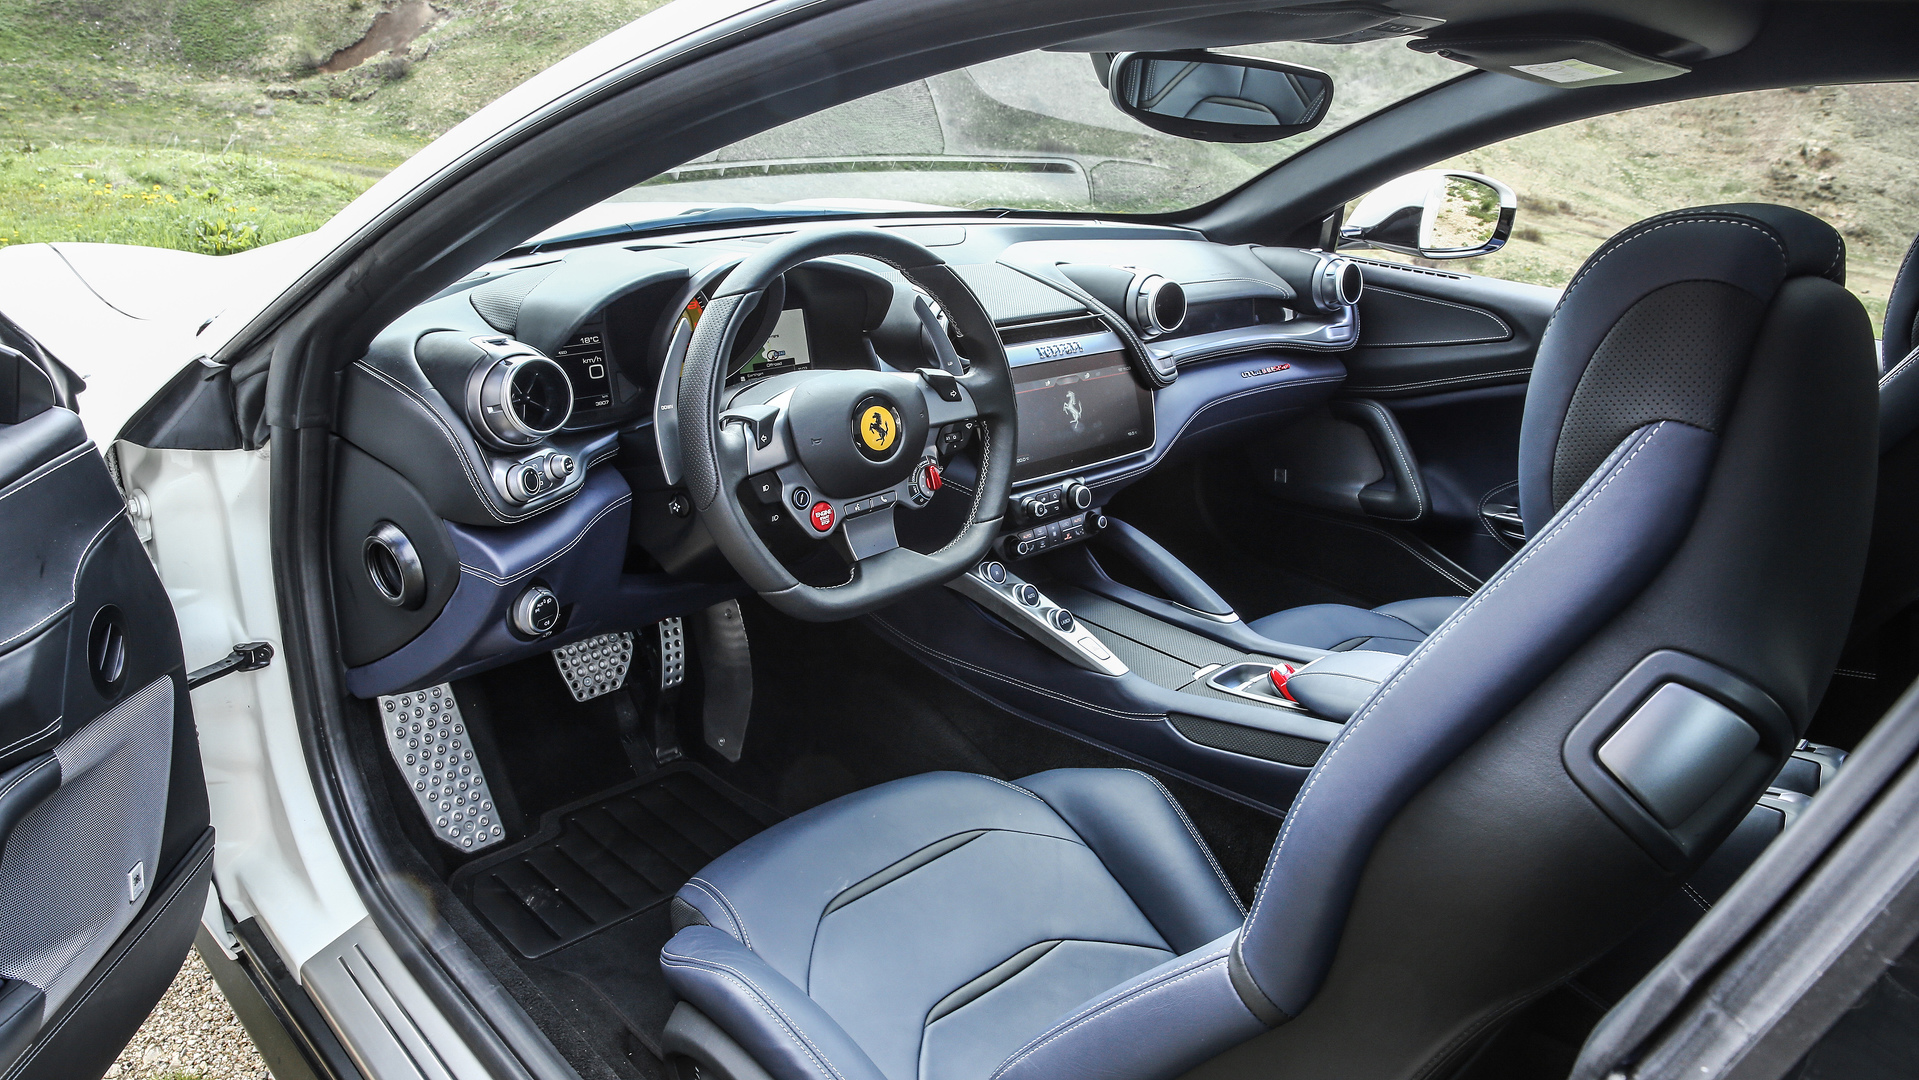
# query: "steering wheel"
[[841, 451]]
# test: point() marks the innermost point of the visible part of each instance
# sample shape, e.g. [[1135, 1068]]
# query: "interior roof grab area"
[[1687, 29]]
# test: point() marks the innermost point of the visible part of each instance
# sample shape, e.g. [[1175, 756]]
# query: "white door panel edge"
[[274, 860], [125, 360]]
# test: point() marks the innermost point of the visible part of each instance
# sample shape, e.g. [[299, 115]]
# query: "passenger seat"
[[1892, 568]]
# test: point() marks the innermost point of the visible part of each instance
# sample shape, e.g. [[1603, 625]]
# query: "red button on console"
[[822, 515]]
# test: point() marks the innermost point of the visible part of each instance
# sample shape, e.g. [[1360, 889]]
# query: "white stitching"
[[44, 471], [1015, 787], [1391, 429], [766, 1005], [1101, 1008], [1897, 370], [713, 891], [1188, 422], [28, 775], [1198, 841], [473, 478], [1484, 376], [1430, 643], [548, 561], [52, 726], [1503, 325], [1622, 241], [929, 650], [73, 587]]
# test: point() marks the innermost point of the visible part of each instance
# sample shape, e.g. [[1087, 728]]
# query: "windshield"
[[1034, 131]]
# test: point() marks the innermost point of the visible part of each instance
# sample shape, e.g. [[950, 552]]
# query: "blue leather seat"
[[1701, 419], [1397, 627], [932, 926]]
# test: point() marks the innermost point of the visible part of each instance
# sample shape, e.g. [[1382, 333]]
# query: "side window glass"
[[1842, 153]]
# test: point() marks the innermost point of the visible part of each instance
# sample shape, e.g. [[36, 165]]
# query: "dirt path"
[[191, 1035]]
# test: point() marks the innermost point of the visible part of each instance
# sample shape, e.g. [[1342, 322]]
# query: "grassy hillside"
[[1848, 154], [216, 125]]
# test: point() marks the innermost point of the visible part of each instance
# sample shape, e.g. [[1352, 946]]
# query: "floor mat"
[[601, 861]]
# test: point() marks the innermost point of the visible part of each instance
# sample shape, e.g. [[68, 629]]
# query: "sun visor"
[[1554, 61], [1330, 24]]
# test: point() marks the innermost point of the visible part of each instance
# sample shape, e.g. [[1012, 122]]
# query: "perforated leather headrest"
[[1658, 325]]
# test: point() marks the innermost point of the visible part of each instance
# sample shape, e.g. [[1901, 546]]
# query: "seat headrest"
[[1902, 311], [1658, 325]]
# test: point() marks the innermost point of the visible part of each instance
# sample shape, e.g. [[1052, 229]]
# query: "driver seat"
[[1503, 810]]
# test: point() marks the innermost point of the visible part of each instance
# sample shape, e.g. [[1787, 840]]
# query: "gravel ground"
[[191, 1035]]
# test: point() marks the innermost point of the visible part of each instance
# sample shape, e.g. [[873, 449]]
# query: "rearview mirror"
[[1216, 98], [1434, 214]]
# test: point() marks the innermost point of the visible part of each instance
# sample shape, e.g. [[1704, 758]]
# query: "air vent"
[[1048, 329], [1404, 269], [518, 400]]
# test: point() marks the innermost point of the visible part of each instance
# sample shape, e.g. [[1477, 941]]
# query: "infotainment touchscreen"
[[1077, 412]]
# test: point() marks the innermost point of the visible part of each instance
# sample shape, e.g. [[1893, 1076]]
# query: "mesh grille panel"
[[64, 893], [498, 302], [1267, 745], [1677, 354]]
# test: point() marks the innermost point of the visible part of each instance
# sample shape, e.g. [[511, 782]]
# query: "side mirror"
[[1216, 98], [1434, 214]]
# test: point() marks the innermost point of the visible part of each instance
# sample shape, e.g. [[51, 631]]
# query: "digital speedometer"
[[785, 349]]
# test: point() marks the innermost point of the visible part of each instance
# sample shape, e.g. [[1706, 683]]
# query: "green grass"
[[206, 125], [208, 202]]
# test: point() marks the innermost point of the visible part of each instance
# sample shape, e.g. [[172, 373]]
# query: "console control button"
[[536, 611], [1027, 594], [525, 482], [822, 516], [1062, 620], [766, 488], [560, 466], [801, 497], [993, 571], [1077, 495], [926, 481]]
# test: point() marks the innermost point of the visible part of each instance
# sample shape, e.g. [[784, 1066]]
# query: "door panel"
[[104, 840], [1449, 355], [1427, 331]]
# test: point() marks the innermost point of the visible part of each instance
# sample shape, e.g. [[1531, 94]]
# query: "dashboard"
[[507, 473]]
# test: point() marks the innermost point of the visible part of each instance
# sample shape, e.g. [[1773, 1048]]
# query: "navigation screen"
[[584, 360], [1077, 412], [785, 350]]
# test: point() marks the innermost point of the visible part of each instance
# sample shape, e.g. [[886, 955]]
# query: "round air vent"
[[1337, 283], [519, 400], [394, 567], [1158, 305]]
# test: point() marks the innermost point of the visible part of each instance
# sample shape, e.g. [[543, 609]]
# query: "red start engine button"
[[822, 515]]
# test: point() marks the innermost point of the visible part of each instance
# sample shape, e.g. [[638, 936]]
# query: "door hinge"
[[246, 656]]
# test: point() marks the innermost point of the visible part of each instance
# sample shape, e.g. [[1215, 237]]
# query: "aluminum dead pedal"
[[429, 742], [595, 666]]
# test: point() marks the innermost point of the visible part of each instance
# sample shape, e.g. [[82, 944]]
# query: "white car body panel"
[[274, 859], [128, 319]]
